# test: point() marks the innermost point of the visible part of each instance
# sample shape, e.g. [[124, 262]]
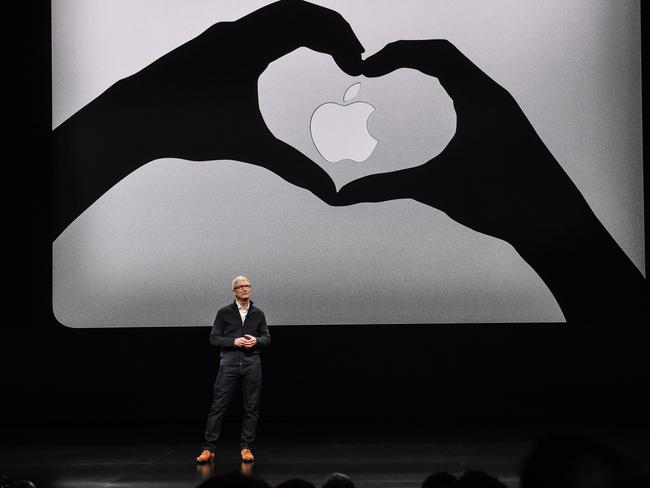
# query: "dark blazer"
[[228, 326]]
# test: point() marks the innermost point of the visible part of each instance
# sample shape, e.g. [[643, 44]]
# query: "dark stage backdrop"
[[54, 374]]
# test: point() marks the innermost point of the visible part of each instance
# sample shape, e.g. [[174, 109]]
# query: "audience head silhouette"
[[441, 479], [338, 480], [478, 479]]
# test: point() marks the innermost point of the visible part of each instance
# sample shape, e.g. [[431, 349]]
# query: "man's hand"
[[246, 341], [250, 341]]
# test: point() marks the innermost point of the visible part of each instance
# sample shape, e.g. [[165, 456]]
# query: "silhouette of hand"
[[204, 94], [200, 102], [495, 175]]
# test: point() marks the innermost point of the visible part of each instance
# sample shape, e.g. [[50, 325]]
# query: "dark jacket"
[[228, 327]]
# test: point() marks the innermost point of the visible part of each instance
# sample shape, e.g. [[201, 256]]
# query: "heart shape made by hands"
[[413, 118]]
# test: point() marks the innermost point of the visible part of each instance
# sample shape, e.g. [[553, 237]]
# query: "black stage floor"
[[375, 454]]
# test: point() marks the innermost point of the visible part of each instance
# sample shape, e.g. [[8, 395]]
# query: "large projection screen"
[[161, 246]]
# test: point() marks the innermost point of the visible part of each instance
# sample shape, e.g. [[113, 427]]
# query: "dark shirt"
[[228, 326]]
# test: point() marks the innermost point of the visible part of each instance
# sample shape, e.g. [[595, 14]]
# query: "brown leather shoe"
[[205, 457], [247, 456]]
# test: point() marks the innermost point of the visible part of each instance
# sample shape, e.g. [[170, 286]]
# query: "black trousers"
[[249, 377]]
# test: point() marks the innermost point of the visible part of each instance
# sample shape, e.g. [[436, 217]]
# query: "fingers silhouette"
[[279, 28], [198, 102], [497, 177], [494, 172]]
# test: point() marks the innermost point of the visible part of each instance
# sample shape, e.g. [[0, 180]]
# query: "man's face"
[[242, 290]]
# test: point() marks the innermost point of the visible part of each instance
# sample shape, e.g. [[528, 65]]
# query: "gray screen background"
[[160, 248]]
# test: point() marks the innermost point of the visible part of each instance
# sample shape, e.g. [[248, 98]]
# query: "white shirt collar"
[[240, 307]]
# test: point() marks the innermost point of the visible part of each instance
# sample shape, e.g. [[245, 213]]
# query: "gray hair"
[[239, 278]]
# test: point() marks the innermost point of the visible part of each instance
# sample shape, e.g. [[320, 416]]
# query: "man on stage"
[[240, 331]]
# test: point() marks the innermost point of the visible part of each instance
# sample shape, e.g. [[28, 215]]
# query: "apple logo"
[[341, 131]]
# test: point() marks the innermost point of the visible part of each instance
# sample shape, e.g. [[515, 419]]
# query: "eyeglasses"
[[242, 286]]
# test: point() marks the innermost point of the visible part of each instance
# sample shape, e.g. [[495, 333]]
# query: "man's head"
[[241, 288]]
